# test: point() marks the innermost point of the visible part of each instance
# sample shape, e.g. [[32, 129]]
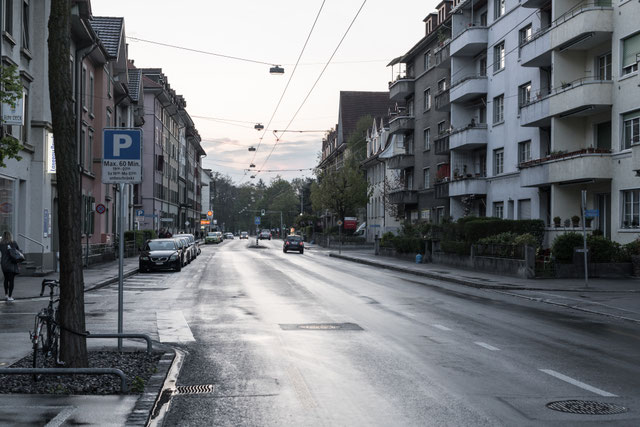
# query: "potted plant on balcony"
[[557, 221], [587, 221], [575, 221]]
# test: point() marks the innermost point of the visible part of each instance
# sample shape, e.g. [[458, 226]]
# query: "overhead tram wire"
[[289, 81], [317, 80]]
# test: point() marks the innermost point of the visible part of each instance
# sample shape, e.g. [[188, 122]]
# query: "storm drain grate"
[[321, 327], [586, 407], [194, 389]]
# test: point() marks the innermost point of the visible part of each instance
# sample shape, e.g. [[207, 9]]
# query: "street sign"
[[186, 223], [210, 213], [350, 223], [257, 220], [122, 156], [139, 212], [205, 222], [100, 208], [591, 212], [339, 222], [166, 219], [262, 212]]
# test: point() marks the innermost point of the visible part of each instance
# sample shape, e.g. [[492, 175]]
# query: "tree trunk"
[[73, 347]]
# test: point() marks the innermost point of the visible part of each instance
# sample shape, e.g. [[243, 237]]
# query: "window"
[[90, 152], [498, 109], [498, 8], [524, 209], [8, 16], [83, 144], [604, 67], [631, 129], [524, 151], [482, 112], [439, 214], [482, 66], [441, 127], [25, 24], [409, 146], [409, 179], [483, 19], [630, 208], [524, 95], [427, 138], [24, 133], [108, 122], [498, 209], [630, 52], [498, 161], [425, 215], [498, 57], [83, 87], [427, 99], [426, 180], [525, 34], [442, 85], [427, 60], [91, 92]]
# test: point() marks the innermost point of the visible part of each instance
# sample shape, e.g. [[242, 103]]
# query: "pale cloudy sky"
[[227, 97]]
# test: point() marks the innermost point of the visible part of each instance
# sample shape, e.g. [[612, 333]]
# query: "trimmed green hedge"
[[139, 236], [477, 229], [455, 247]]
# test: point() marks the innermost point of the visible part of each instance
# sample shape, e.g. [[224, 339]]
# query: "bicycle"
[[46, 332]]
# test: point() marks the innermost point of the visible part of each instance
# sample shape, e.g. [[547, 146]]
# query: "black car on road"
[[161, 254], [293, 243]]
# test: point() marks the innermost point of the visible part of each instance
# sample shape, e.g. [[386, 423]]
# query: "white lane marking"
[[62, 416], [443, 328], [578, 383], [487, 346], [172, 327]]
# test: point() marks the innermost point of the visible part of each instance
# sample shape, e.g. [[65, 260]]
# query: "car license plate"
[[159, 263]]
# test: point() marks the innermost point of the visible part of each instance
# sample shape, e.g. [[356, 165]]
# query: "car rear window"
[[294, 238]]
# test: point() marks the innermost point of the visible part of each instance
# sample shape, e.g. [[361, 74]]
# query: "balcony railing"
[[443, 59], [400, 161], [442, 190], [563, 155], [442, 100], [401, 124], [442, 144], [401, 88], [404, 196]]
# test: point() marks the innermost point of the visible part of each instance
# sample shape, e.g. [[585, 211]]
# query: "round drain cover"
[[319, 326], [586, 407]]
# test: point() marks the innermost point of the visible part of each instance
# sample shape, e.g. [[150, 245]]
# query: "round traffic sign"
[[339, 222], [210, 213], [100, 208]]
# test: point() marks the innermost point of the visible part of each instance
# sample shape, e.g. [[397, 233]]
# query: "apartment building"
[[421, 122]]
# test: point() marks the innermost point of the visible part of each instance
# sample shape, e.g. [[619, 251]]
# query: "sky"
[[227, 97]]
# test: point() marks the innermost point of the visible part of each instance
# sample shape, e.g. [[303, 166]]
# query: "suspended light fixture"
[[253, 176], [258, 126], [276, 70], [252, 148], [252, 165]]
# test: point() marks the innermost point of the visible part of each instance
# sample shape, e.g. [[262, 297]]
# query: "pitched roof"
[[109, 30], [135, 76], [355, 105]]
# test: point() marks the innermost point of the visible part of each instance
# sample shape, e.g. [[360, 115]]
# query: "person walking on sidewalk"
[[9, 268]]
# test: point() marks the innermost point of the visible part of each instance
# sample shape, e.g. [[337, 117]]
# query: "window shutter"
[[631, 47]]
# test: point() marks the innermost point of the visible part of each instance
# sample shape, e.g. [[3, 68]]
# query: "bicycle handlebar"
[[51, 283]]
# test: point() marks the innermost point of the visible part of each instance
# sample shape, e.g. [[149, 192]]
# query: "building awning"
[[395, 61]]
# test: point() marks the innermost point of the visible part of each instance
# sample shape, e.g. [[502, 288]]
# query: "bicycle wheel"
[[37, 342]]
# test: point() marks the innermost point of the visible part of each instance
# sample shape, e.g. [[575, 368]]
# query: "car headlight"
[[173, 257]]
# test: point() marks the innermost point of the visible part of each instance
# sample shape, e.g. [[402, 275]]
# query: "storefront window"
[[6, 205]]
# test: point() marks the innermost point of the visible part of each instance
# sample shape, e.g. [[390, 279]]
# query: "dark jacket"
[[8, 266]]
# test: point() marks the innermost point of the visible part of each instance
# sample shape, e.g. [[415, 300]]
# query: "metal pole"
[[584, 239], [121, 265], [340, 237], [281, 230]]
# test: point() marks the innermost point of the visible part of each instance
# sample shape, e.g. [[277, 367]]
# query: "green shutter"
[[630, 48]]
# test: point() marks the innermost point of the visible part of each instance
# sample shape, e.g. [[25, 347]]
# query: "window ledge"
[[629, 230], [497, 123], [500, 70], [627, 76], [9, 38], [28, 147], [26, 53]]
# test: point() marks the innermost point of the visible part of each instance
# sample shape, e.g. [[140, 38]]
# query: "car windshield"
[[160, 245], [211, 234], [294, 238]]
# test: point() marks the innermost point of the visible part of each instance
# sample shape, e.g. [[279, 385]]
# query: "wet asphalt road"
[[410, 351]]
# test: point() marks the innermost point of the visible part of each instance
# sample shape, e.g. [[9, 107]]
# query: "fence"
[[500, 251]]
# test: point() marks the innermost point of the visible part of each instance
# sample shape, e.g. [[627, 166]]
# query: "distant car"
[[161, 254], [264, 234], [293, 243], [212, 237], [193, 245], [229, 236], [183, 242], [244, 235]]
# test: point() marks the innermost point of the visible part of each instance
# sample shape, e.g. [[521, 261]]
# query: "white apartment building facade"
[[545, 103]]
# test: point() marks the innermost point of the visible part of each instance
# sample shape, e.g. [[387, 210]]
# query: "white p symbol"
[[121, 142]]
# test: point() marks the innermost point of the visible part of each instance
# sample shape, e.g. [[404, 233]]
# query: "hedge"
[[563, 245], [477, 229], [140, 236], [455, 247]]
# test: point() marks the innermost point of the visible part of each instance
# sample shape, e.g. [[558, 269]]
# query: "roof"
[[109, 30], [135, 77], [355, 105]]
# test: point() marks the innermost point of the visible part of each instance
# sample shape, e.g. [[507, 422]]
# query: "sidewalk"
[[618, 298], [95, 276]]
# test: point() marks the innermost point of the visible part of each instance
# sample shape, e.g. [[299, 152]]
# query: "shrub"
[[455, 247], [632, 248], [139, 236], [563, 246], [408, 245], [604, 250], [387, 239], [526, 239], [507, 238]]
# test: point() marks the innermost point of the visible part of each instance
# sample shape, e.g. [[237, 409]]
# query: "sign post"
[[340, 235], [121, 164], [583, 211]]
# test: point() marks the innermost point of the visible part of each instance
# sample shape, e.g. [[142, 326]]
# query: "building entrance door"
[[604, 218]]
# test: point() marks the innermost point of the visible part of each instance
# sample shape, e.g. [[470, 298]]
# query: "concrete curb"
[[107, 282], [141, 413]]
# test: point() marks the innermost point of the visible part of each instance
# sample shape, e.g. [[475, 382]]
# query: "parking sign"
[[122, 156]]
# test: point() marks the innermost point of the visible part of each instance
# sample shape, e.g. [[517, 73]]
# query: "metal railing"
[[482, 75], [41, 266], [499, 251], [545, 93]]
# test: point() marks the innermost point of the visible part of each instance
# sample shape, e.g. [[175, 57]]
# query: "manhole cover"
[[321, 327], [194, 389], [586, 407]]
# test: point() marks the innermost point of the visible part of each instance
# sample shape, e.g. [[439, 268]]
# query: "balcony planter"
[[575, 221], [557, 222]]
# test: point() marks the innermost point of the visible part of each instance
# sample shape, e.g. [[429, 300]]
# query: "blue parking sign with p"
[[122, 155]]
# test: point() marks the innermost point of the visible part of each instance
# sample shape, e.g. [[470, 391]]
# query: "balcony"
[[441, 144], [468, 88], [585, 26], [468, 187], [587, 165], [400, 161], [404, 197], [536, 51], [401, 124], [442, 190], [401, 88], [442, 56], [442, 101], [580, 98], [470, 42], [534, 4], [469, 138]]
